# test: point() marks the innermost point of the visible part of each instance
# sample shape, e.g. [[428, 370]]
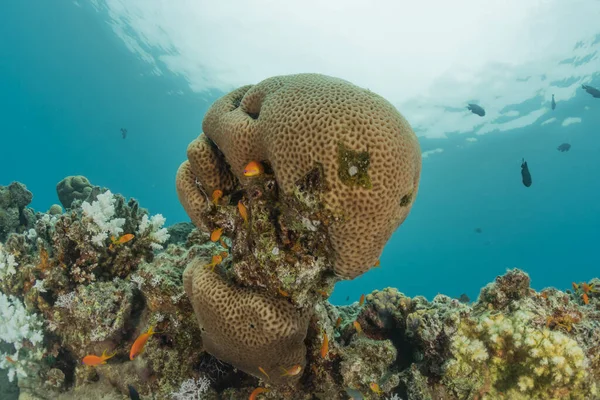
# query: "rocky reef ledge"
[[67, 294]]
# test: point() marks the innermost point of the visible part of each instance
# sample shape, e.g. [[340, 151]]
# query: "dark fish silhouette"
[[463, 298], [525, 173], [478, 230], [133, 394], [347, 298], [124, 132], [553, 103], [591, 90], [475, 109], [564, 147]]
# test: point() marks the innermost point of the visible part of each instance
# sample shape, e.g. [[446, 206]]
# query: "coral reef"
[[102, 298]]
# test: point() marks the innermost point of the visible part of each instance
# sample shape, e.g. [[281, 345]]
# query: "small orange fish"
[[586, 299], [375, 388], [264, 372], [223, 243], [216, 234], [94, 360], [362, 300], [357, 327], [256, 392], [575, 287], [123, 239], [140, 342], [585, 287], [325, 346], [216, 260], [377, 264], [243, 211], [293, 371], [283, 292], [338, 322], [10, 360], [545, 295], [253, 168], [224, 255], [323, 293], [216, 196]]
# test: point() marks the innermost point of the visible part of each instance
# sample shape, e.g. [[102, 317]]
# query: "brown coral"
[[246, 328], [369, 155]]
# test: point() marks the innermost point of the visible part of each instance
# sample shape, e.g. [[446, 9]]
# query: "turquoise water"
[[68, 84]]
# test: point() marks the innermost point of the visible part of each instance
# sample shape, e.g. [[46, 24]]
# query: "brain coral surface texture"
[[245, 328], [369, 155]]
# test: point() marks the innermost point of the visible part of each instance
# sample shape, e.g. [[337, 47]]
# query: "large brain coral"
[[366, 152], [247, 328]]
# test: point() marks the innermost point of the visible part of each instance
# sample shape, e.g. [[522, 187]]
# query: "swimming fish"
[[525, 174], [575, 286], [283, 292], [216, 260], [586, 288], [243, 211], [357, 327], [216, 234], [256, 392], [124, 132], [586, 299], [293, 371], [377, 264], [133, 394], [94, 360], [253, 168], [553, 103], [325, 345], [475, 109], [122, 239], [216, 196], [223, 243], [264, 372], [564, 147], [362, 300], [591, 90], [140, 342], [375, 388], [464, 298], [338, 322]]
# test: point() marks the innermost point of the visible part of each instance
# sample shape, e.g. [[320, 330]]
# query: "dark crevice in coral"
[[138, 304], [222, 375], [66, 363], [253, 115], [313, 181]]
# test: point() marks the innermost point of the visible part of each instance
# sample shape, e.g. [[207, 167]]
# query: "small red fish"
[[10, 360], [264, 372], [375, 388], [94, 360], [256, 392], [216, 234], [123, 239], [216, 196], [253, 168], [586, 299], [243, 211], [377, 264], [362, 300], [216, 260], [283, 292], [140, 342], [338, 322], [293, 371], [585, 287], [325, 346], [223, 244], [575, 286], [357, 327]]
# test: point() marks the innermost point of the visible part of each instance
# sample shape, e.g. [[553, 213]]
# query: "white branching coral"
[[153, 227], [16, 328], [7, 264], [101, 213], [65, 300], [192, 389]]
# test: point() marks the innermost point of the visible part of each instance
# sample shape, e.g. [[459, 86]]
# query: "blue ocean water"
[[68, 84]]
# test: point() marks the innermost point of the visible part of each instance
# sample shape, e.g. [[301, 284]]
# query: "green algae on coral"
[[353, 169]]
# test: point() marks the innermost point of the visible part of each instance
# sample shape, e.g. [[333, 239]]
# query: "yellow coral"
[[507, 354]]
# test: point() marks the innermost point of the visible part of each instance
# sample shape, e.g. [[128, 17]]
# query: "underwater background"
[[69, 81]]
